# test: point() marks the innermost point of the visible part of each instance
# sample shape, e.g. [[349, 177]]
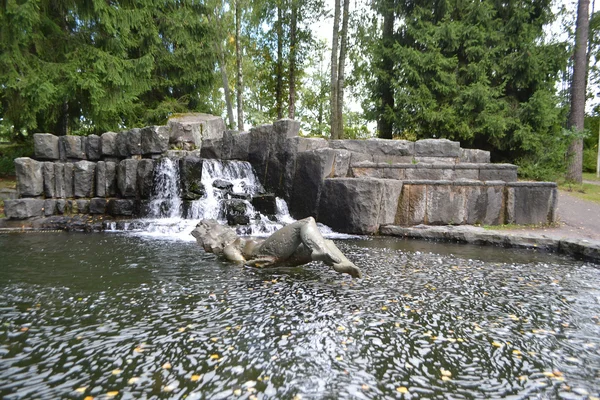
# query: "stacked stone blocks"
[[355, 186]]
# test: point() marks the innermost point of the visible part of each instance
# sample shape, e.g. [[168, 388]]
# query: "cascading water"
[[223, 182]]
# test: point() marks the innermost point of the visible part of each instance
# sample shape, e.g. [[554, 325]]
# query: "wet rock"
[[24, 208], [93, 147], [190, 168], [49, 180], [265, 204], [45, 146], [121, 207], [84, 174], [235, 212], [97, 206], [83, 206], [49, 207], [145, 176], [223, 185], [30, 179]]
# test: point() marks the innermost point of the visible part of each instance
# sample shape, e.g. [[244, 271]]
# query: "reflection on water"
[[129, 317]]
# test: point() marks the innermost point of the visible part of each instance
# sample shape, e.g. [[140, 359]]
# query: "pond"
[[116, 315]]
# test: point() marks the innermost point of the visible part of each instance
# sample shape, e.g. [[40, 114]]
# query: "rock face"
[[155, 139], [127, 177], [45, 146], [93, 147], [30, 181], [190, 169], [72, 148], [84, 173], [193, 128], [24, 208], [359, 205], [145, 175], [235, 212]]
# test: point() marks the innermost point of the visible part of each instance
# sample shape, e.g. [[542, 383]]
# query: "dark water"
[[117, 316]]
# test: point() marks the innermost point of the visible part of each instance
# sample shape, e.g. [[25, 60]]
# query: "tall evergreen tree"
[[474, 71], [92, 66]]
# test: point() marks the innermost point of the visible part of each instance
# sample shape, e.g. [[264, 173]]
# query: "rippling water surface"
[[119, 316]]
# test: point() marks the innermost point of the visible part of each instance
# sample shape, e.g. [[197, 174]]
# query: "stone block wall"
[[355, 186]]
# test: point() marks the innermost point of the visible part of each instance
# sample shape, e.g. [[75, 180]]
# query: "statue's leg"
[[345, 265], [312, 238]]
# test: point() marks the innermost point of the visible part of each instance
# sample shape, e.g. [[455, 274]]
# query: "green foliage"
[[474, 71], [9, 152], [72, 66], [548, 162]]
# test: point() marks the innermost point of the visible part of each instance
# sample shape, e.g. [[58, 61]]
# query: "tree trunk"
[[238, 55], [341, 76], [334, 70], [279, 72], [293, 40], [221, 54], [578, 88], [384, 126]]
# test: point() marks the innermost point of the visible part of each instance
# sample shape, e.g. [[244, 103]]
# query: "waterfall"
[[169, 216], [166, 197]]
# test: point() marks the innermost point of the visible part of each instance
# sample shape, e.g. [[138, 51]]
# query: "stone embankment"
[[354, 186]]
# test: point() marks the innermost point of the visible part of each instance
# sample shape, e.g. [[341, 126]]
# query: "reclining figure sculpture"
[[295, 244]]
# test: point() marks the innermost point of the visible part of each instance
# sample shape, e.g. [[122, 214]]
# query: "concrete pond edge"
[[586, 249]]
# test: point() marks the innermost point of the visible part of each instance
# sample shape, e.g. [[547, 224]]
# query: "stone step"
[[437, 171]]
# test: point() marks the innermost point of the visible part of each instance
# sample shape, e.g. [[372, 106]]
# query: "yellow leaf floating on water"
[[116, 371], [383, 308], [113, 393], [195, 378], [339, 358], [214, 357], [445, 378], [237, 392], [340, 328], [166, 365], [88, 398], [297, 397], [445, 372], [214, 339], [81, 389], [365, 386], [516, 352], [497, 344], [402, 389], [181, 330], [168, 388], [133, 380], [523, 378]]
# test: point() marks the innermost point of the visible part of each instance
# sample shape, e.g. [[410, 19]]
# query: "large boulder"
[[109, 144], [377, 150], [45, 146], [49, 180], [235, 145], [84, 177], [121, 207], [68, 169], [106, 179], [145, 177], [134, 141], [265, 204], [193, 128], [97, 205], [93, 147], [190, 170], [235, 211], [24, 208], [155, 139], [30, 179], [122, 144], [354, 205], [127, 177], [72, 148], [312, 167], [531, 202]]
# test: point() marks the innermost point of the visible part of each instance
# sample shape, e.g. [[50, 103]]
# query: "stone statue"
[[295, 244]]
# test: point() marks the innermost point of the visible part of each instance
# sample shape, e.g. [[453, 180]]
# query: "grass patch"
[[590, 176], [513, 227], [585, 191]]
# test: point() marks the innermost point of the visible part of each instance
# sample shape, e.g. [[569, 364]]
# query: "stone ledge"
[[579, 248]]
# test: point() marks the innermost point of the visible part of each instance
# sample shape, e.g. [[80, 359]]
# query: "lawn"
[[586, 191]]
